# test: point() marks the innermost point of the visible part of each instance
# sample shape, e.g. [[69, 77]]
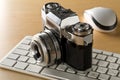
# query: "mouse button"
[[104, 16]]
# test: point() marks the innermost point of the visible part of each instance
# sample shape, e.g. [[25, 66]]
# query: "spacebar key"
[[62, 75]]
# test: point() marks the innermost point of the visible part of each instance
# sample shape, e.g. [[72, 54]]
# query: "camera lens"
[[35, 50], [45, 48]]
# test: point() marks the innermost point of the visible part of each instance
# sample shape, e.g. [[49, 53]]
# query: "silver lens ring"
[[50, 48], [42, 50], [56, 44], [36, 50]]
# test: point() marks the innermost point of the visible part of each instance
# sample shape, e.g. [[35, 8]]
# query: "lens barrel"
[[45, 48]]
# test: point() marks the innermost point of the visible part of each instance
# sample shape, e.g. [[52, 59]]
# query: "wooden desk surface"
[[19, 18]]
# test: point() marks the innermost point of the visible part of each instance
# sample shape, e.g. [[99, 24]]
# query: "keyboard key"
[[114, 78], [118, 61], [97, 51], [60, 75], [116, 55], [111, 59], [53, 66], [25, 41], [94, 55], [113, 66], [61, 67], [101, 56], [34, 68], [81, 74], [24, 47], [70, 70], [119, 68], [102, 70], [21, 65], [94, 67], [93, 74], [119, 74], [104, 77], [28, 38], [20, 52], [8, 62], [94, 61], [107, 53], [23, 58], [103, 63], [31, 60], [112, 72], [13, 56], [30, 54]]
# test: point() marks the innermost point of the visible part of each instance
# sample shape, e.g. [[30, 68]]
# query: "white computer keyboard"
[[106, 65]]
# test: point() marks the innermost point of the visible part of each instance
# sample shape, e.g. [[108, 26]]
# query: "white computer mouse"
[[101, 19]]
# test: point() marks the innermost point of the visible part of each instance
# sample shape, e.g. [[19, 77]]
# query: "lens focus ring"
[[45, 48]]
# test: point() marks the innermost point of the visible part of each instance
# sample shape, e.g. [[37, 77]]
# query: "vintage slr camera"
[[64, 39]]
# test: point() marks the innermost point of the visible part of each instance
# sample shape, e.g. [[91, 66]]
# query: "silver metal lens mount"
[[46, 48]]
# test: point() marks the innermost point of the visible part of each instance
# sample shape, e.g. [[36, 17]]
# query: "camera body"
[[64, 39]]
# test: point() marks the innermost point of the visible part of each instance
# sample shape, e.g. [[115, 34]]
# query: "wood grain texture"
[[19, 18]]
